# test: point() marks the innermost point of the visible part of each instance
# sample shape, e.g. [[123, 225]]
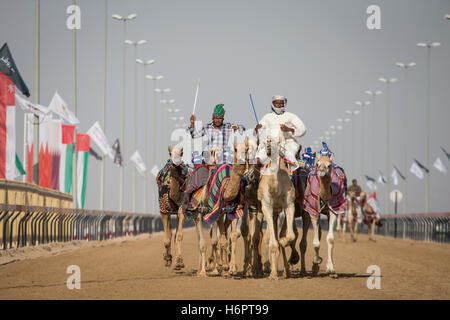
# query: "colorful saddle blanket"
[[220, 178], [338, 200], [197, 178], [167, 205]]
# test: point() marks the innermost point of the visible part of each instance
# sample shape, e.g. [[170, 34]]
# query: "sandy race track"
[[132, 268]]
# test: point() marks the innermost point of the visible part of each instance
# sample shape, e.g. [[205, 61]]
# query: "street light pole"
[[145, 64], [362, 105], [135, 44], [353, 113], [405, 68], [388, 109], [373, 94], [124, 20], [427, 119], [102, 168]]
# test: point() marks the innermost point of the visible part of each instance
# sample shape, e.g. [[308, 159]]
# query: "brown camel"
[[324, 167], [170, 182], [223, 254], [369, 216]]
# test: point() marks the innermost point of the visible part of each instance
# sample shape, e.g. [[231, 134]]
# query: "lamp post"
[[161, 97], [145, 64], [135, 44], [373, 94], [388, 109], [353, 114], [427, 120], [362, 105], [405, 68], [154, 133], [124, 20]]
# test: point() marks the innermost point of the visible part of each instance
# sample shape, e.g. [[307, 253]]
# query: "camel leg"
[[201, 246], [234, 237], [256, 238], [214, 258], [316, 243], [223, 243], [273, 243], [265, 243], [178, 239], [245, 232], [167, 238], [330, 242], [286, 271], [306, 219], [338, 225]]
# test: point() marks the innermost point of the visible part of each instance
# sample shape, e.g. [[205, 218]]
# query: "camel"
[[170, 182], [322, 205], [370, 216], [353, 208], [276, 192], [223, 255]]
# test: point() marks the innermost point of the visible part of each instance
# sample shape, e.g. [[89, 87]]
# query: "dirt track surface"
[[133, 269]]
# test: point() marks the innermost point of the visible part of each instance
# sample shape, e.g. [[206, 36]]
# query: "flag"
[[415, 170], [140, 165], [66, 163], [371, 183], [440, 166], [30, 148], [97, 135], [94, 153], [446, 153], [399, 173], [29, 107], [7, 129], [83, 145], [8, 68], [381, 178], [155, 170], [60, 108], [422, 166], [394, 176], [117, 154], [49, 152]]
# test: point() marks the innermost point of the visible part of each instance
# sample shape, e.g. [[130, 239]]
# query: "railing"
[[432, 227], [32, 225]]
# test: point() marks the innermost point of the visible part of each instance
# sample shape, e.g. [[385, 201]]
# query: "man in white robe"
[[279, 122]]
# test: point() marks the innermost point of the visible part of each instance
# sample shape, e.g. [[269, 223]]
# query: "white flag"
[[155, 170], [394, 176], [140, 165], [440, 166], [59, 107], [97, 135], [381, 178], [371, 185], [415, 170], [29, 107]]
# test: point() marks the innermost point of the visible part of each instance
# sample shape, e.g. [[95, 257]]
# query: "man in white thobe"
[[279, 122]]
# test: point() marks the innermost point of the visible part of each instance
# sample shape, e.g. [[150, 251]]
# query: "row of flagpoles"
[[57, 143]]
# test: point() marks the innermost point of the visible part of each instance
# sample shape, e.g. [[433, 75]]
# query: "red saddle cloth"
[[337, 202]]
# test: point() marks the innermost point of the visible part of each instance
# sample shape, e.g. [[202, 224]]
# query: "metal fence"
[[32, 225], [432, 227]]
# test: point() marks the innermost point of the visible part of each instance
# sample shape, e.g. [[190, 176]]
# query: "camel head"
[[176, 154], [214, 155], [241, 151], [324, 166]]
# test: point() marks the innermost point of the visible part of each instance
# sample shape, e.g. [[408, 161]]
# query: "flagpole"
[[36, 93], [427, 120], [102, 175], [74, 83], [405, 129]]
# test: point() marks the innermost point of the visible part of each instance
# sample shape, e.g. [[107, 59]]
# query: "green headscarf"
[[219, 110]]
